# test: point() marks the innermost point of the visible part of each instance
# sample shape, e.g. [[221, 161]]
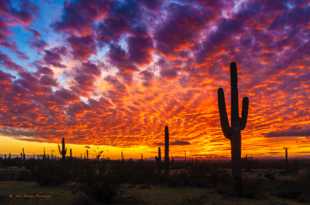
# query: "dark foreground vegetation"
[[111, 182]]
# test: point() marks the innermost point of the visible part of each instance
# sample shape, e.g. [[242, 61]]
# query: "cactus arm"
[[223, 113], [245, 108]]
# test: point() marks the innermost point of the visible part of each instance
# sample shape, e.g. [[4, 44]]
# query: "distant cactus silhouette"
[[71, 157], [286, 157], [122, 157], [87, 153], [167, 159], [158, 157], [22, 154], [62, 150], [44, 154], [98, 155], [233, 131]]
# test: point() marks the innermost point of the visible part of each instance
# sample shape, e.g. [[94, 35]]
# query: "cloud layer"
[[116, 72]]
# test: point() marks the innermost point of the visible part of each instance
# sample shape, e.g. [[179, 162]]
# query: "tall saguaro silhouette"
[[62, 149], [167, 148], [233, 131]]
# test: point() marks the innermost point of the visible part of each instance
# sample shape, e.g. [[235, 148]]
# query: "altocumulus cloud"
[[116, 72]]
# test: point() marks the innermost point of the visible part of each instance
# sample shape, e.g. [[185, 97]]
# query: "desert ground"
[[79, 182]]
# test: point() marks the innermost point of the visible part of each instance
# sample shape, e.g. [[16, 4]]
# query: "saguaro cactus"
[[71, 155], [44, 154], [98, 155], [122, 157], [233, 131], [158, 157], [167, 148], [286, 157], [22, 154], [62, 149]]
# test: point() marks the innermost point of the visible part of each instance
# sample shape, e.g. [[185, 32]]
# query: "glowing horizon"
[[112, 74]]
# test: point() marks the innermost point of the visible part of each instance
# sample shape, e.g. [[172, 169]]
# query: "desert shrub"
[[218, 177], [133, 172], [101, 191], [303, 181], [24, 175], [142, 174], [81, 198], [195, 175], [296, 187], [253, 188], [14, 173], [176, 179], [98, 185], [288, 190], [270, 176], [50, 173], [198, 176]]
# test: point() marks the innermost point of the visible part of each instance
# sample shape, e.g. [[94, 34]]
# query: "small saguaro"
[[286, 156], [71, 155], [44, 154], [122, 157], [158, 157], [87, 154], [22, 154], [62, 149]]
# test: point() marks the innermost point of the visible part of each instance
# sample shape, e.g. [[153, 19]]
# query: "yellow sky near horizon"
[[15, 146], [274, 148]]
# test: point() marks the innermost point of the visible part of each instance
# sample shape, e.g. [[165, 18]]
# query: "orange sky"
[[114, 73], [192, 116]]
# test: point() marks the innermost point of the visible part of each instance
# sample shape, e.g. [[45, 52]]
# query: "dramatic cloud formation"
[[115, 72], [293, 132]]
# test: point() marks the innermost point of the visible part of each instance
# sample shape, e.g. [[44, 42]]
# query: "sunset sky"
[[112, 73]]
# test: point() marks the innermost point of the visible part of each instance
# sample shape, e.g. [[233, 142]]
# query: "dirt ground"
[[26, 193]]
